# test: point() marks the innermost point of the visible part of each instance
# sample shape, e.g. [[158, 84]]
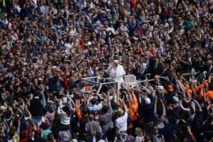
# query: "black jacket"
[[36, 108], [157, 69]]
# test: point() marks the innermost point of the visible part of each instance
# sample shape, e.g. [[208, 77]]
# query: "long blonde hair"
[[138, 131]]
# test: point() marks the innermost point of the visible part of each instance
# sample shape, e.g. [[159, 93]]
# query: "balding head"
[[156, 77], [209, 63], [91, 117]]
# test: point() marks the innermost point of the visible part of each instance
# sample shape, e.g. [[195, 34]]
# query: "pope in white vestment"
[[116, 72]]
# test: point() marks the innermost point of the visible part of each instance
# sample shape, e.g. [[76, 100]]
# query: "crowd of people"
[[48, 46]]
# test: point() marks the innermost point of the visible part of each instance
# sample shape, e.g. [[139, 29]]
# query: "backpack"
[[130, 138]]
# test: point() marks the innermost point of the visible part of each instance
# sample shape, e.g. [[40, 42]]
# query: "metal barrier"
[[97, 80], [100, 82]]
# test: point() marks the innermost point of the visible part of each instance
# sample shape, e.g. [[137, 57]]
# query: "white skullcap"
[[147, 101]]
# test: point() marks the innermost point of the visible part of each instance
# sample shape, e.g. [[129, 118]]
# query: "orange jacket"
[[78, 112], [188, 90], [209, 96], [200, 89], [133, 108]]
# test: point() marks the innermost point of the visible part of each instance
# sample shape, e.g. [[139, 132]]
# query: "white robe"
[[116, 74]]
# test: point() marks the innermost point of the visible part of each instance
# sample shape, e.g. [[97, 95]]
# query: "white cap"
[[176, 99], [74, 140], [89, 43], [3, 108], [147, 101], [116, 61], [108, 10], [98, 22], [166, 25], [160, 125]]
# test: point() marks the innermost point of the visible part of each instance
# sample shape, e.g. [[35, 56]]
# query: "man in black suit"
[[36, 109], [166, 71], [156, 68]]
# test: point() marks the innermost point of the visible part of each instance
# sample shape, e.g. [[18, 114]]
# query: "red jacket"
[[24, 140], [132, 4], [65, 83]]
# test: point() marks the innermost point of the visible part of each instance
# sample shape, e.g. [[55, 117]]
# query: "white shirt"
[[18, 8], [188, 110], [94, 140], [111, 29], [92, 5], [65, 120], [121, 122], [68, 46], [13, 140], [72, 32], [35, 2], [139, 139], [43, 9], [5, 21], [144, 65]]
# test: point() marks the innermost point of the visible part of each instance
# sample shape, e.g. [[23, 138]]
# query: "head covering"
[[170, 88], [147, 101], [116, 61], [98, 22], [175, 99], [3, 108], [74, 140], [103, 12], [160, 125], [89, 43]]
